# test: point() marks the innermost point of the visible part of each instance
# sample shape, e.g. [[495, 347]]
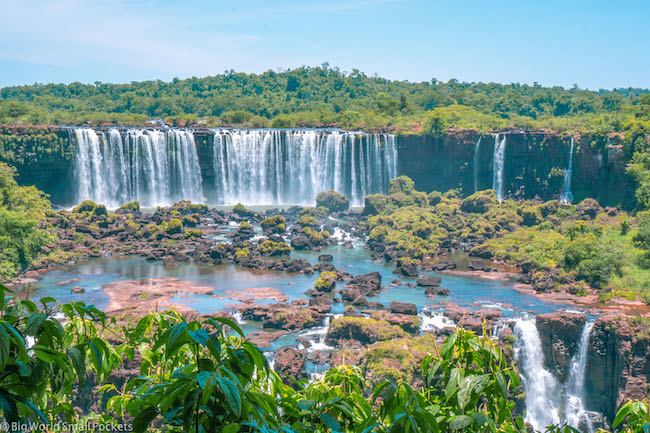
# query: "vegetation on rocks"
[[366, 331], [270, 248], [332, 201], [22, 213], [274, 224]]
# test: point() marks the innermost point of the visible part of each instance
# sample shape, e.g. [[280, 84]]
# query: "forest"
[[324, 96]]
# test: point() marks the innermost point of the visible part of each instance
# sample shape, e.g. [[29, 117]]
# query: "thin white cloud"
[[128, 33]]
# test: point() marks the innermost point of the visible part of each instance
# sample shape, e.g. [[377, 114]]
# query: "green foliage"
[[174, 226], [90, 208], [333, 201], [479, 202], [276, 224], [633, 417], [307, 221], [320, 96], [22, 211], [374, 204], [326, 281], [270, 248], [133, 206], [192, 233], [402, 184], [241, 210], [202, 374], [364, 330], [38, 377]]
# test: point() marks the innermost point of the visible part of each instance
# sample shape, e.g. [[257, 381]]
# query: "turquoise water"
[[94, 274]]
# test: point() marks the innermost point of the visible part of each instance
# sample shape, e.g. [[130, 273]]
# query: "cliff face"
[[43, 156], [535, 163], [618, 357], [618, 364]]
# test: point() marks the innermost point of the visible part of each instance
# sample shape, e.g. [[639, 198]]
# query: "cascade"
[[155, 167], [498, 163], [541, 387], [293, 166], [574, 409], [567, 197], [477, 153], [161, 166]]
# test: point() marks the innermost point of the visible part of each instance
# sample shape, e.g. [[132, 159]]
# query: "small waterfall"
[[567, 197], [541, 387], [292, 167], [477, 154], [574, 409], [498, 163], [155, 167], [431, 321]]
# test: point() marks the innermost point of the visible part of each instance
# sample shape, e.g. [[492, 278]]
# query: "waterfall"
[[156, 167], [498, 163], [567, 197], [161, 166], [574, 409], [477, 153], [541, 387], [293, 166]]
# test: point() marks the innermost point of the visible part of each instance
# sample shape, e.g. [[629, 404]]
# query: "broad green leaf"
[[143, 419], [461, 422]]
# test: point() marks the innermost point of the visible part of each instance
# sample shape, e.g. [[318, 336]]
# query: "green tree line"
[[307, 96]]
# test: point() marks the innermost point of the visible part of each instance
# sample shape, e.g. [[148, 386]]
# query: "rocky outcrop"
[[560, 336], [290, 363], [618, 363]]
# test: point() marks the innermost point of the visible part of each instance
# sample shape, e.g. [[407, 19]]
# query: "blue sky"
[[595, 44]]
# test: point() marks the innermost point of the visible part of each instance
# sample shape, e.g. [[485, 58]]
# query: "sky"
[[592, 43]]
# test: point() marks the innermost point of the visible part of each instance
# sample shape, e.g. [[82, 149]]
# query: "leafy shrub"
[[307, 221], [133, 206], [332, 200], [174, 226], [326, 281], [402, 184], [241, 210], [479, 202], [276, 224], [270, 248]]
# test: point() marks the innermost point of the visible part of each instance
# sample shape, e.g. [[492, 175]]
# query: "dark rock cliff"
[[618, 364], [535, 162]]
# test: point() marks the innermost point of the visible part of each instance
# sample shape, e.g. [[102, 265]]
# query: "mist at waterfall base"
[[255, 167], [549, 402]]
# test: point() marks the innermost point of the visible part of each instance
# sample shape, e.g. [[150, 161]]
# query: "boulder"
[[325, 258], [403, 308], [290, 363], [406, 268], [77, 289], [368, 284], [429, 281]]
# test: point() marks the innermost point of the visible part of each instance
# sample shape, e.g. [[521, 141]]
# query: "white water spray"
[[567, 196], [574, 408], [498, 163], [153, 166], [541, 387], [292, 167]]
